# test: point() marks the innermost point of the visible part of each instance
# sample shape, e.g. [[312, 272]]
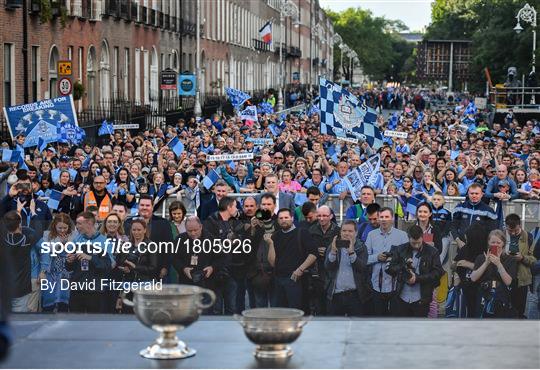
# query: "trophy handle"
[[307, 319], [240, 319], [210, 294], [126, 301]]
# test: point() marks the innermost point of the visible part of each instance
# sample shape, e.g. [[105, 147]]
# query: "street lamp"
[[344, 49], [527, 14], [351, 54], [317, 31], [337, 39], [197, 109], [287, 9]]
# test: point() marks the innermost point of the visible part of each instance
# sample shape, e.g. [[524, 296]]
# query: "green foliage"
[[381, 52], [490, 25], [78, 90], [45, 13]]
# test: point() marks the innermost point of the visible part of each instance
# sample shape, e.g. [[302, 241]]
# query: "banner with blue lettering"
[[41, 119]]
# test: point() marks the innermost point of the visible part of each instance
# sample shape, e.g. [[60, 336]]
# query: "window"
[[35, 73], [126, 73], [9, 78], [115, 67]]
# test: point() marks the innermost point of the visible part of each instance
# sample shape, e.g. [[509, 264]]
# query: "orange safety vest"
[[104, 208]]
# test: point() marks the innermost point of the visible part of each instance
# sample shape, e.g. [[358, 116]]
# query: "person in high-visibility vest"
[[98, 197]]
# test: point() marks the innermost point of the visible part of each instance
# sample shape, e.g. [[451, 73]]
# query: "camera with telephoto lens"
[[263, 215], [131, 257]]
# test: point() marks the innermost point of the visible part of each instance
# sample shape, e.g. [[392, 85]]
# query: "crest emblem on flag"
[[346, 114]]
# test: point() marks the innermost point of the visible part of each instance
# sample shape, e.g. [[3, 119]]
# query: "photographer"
[[192, 268], [417, 268], [260, 274], [221, 225], [345, 263], [34, 213]]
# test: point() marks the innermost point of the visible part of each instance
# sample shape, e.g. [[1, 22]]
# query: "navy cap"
[[64, 158]]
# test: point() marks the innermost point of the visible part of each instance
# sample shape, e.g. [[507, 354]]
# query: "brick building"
[[119, 47]]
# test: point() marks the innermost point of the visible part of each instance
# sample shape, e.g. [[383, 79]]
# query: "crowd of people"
[[423, 262]]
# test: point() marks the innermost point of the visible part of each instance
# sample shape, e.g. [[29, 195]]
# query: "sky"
[[416, 14]]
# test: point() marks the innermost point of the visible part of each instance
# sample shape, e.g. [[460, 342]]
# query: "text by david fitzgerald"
[[100, 285]]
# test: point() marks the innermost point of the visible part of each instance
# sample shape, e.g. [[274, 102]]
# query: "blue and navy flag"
[[42, 144], [86, 162], [54, 199], [343, 115], [236, 97], [210, 179], [250, 113], [176, 145], [500, 215], [70, 133], [418, 121], [412, 204], [314, 108], [471, 109], [12, 156], [393, 121], [266, 108], [106, 128]]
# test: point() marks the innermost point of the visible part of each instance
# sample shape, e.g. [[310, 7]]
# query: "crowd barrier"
[[528, 210]]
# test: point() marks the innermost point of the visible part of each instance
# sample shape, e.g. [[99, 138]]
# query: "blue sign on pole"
[[186, 85], [41, 119]]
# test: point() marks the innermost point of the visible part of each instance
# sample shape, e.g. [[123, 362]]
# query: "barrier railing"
[[528, 210]]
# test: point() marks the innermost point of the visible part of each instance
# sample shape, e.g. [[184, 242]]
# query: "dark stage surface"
[[107, 341]]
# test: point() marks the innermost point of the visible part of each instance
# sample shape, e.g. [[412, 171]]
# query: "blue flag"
[[343, 115], [105, 128], [42, 144], [70, 133], [418, 121], [393, 121], [176, 145], [250, 113], [266, 108], [54, 199], [471, 109], [86, 162], [9, 155], [236, 97], [412, 204], [210, 179]]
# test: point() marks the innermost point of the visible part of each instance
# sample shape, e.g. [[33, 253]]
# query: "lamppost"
[[527, 14], [318, 32], [344, 49], [287, 9], [337, 39], [352, 55], [197, 110]]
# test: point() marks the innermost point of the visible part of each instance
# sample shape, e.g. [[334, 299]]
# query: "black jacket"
[[160, 232], [359, 267], [430, 268], [183, 259]]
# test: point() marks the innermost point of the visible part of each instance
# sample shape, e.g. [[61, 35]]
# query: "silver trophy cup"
[[167, 310]]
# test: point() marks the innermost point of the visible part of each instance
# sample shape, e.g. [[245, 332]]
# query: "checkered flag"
[[343, 115]]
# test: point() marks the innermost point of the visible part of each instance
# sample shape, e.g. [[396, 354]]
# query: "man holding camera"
[[222, 225], [260, 273], [417, 268], [379, 242], [193, 268], [35, 213]]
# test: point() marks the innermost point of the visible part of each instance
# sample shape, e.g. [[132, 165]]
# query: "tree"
[[490, 25], [380, 51]]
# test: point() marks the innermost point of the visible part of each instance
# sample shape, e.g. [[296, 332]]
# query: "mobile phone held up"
[[340, 243], [493, 250]]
